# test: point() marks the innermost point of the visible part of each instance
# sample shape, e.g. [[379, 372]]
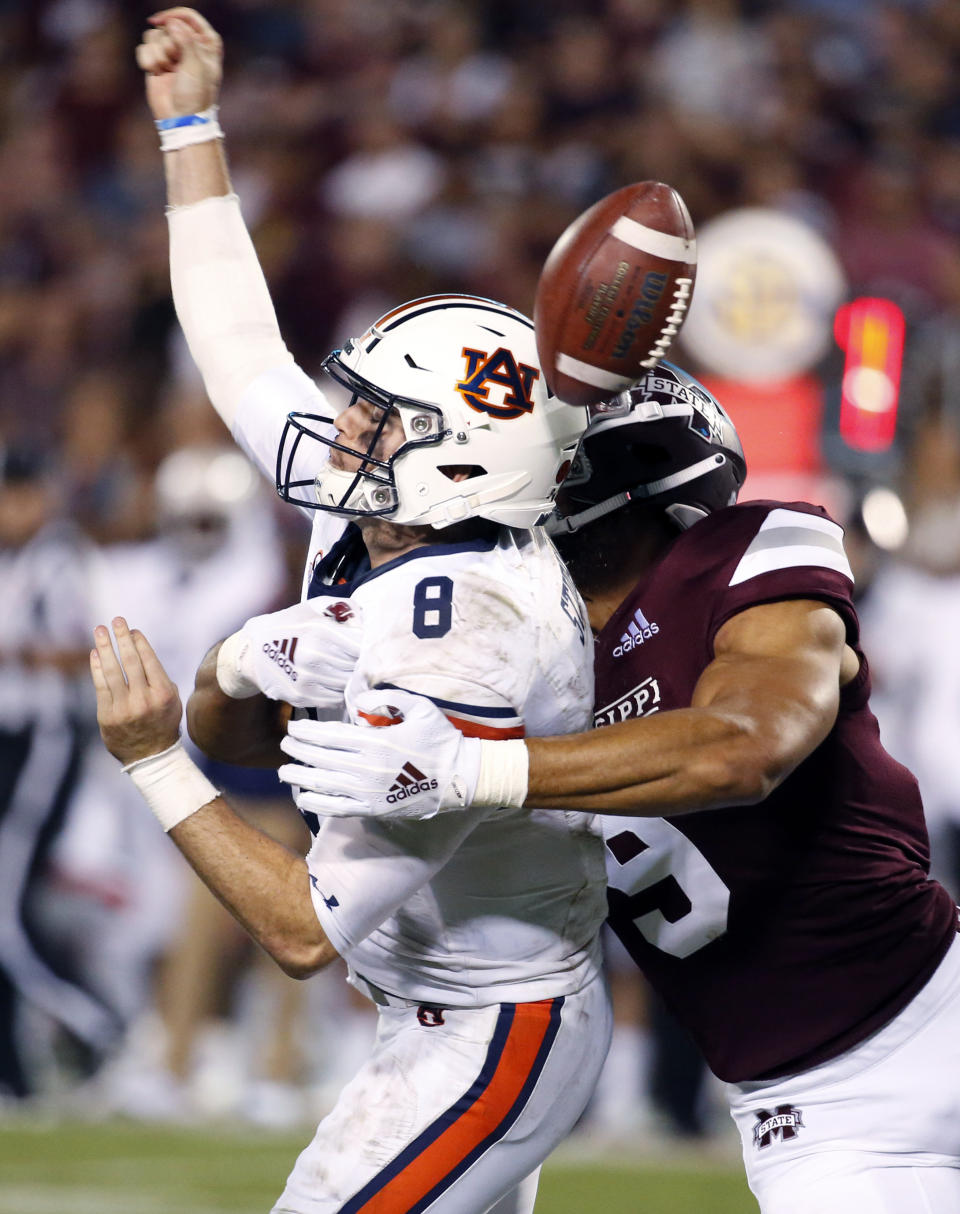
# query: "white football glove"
[[413, 766], [303, 655]]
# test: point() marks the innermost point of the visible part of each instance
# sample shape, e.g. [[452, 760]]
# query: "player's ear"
[[461, 472]]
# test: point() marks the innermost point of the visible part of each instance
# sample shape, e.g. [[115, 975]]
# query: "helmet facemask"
[[370, 490]]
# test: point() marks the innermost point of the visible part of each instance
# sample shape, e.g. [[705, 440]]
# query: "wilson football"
[[614, 292]]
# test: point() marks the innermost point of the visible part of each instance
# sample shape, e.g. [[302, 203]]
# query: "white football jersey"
[[481, 906]]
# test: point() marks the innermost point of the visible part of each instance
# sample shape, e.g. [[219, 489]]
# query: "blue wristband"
[[184, 130], [170, 124]]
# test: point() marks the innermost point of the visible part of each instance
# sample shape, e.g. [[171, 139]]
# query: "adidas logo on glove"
[[409, 781], [282, 653]]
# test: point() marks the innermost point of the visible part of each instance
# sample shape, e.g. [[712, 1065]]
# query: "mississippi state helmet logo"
[[503, 370]]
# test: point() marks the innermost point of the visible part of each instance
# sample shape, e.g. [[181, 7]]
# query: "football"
[[614, 292]]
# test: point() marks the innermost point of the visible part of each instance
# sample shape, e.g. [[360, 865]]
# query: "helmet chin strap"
[[574, 522], [348, 491], [457, 509]]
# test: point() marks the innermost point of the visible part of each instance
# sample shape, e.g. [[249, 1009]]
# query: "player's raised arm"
[[263, 885], [181, 56], [219, 291]]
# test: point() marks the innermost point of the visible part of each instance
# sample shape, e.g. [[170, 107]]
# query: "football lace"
[[681, 301]]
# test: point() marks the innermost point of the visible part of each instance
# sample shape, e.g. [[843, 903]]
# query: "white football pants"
[[876, 1130], [454, 1113]]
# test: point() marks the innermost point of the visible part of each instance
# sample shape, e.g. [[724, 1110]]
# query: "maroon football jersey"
[[781, 933]]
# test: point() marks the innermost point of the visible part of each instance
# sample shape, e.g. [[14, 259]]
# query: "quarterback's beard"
[[389, 538]]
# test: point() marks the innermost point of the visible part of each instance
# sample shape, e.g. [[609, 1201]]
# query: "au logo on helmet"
[[502, 369]]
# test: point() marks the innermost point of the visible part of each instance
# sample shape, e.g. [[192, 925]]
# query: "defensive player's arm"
[[766, 701], [262, 884], [219, 290], [247, 684], [246, 732], [366, 870]]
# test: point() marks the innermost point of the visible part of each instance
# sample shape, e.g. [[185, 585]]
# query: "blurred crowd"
[[385, 149]]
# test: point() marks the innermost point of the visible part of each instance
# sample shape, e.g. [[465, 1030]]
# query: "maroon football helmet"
[[666, 441]]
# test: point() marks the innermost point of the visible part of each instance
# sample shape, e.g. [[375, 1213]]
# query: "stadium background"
[[387, 150]]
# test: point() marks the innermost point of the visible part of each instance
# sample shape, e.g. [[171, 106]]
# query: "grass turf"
[[119, 1168]]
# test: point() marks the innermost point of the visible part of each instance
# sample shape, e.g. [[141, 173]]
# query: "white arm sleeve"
[[227, 316], [362, 870]]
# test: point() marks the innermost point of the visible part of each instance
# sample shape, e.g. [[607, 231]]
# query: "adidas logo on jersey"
[[408, 783], [282, 653], [638, 631]]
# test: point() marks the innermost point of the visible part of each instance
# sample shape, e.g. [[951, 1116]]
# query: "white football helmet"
[[463, 375]]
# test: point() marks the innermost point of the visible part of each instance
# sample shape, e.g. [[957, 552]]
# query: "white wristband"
[[187, 129], [171, 784], [503, 774], [230, 677]]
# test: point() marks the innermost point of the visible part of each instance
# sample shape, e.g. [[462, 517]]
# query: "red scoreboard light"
[[870, 332]]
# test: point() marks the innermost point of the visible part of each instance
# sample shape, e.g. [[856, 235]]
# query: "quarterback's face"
[[361, 425]]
